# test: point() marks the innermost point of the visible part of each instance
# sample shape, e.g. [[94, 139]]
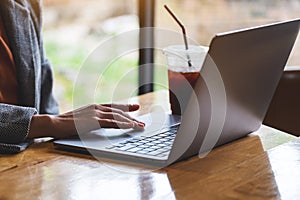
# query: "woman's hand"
[[83, 120]]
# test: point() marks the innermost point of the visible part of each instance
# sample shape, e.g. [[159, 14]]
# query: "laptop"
[[237, 81]]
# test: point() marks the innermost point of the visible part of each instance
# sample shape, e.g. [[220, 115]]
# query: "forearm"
[[41, 126], [51, 126]]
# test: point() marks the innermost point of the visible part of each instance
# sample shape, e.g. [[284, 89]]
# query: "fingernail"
[[141, 124]]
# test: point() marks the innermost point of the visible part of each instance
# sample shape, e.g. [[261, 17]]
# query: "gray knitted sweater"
[[22, 21]]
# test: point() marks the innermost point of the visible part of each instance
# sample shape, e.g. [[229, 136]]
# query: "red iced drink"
[[183, 71], [180, 87]]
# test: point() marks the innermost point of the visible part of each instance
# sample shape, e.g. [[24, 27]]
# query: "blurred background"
[[74, 28]]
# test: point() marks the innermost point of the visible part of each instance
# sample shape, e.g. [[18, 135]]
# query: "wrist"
[[41, 126]]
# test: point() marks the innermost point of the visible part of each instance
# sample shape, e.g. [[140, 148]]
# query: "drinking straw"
[[183, 31]]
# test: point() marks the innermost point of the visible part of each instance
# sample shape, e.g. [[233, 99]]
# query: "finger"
[[111, 123], [81, 110], [123, 107], [115, 116], [139, 126], [114, 110], [85, 113], [121, 118]]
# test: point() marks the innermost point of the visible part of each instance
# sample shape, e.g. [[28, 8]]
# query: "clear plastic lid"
[[178, 56]]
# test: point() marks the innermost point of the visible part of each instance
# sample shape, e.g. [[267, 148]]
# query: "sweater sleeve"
[[14, 127], [15, 120]]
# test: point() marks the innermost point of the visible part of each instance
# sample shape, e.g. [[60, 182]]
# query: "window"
[[73, 29], [204, 18]]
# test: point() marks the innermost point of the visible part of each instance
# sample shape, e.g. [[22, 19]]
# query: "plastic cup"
[[181, 76]]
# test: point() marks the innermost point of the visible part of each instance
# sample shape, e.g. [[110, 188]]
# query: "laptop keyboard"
[[154, 145]]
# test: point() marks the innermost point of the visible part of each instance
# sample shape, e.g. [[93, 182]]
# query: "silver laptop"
[[238, 79]]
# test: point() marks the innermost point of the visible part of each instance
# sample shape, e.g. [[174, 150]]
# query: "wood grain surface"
[[249, 168]]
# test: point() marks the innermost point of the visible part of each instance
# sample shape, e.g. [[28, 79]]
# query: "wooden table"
[[244, 169]]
